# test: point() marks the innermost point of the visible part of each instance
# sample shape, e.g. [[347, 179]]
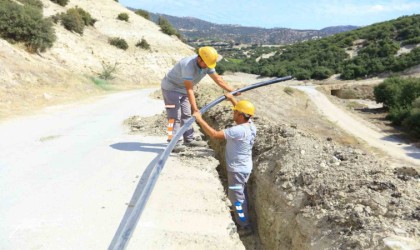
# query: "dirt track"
[[393, 147]]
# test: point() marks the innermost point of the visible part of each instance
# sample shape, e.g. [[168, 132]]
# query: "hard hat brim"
[[212, 66]]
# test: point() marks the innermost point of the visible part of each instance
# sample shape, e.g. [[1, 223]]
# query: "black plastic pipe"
[[122, 237]]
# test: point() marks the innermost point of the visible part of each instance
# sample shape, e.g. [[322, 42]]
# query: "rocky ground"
[[314, 186]]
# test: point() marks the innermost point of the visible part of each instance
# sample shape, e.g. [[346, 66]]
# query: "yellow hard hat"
[[209, 56], [245, 107]]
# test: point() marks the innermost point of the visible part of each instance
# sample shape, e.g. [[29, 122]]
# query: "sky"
[[294, 14]]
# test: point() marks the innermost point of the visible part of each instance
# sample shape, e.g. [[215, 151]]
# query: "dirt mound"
[[328, 191], [153, 125], [315, 192]]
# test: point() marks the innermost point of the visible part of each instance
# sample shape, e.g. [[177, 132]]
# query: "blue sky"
[[297, 14]]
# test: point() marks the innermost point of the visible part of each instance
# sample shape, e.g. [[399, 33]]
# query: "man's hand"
[[229, 96], [197, 116], [238, 93]]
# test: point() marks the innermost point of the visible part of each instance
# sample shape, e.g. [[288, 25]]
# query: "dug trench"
[[312, 185]]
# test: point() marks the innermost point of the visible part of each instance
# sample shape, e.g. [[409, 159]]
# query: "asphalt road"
[[67, 174]]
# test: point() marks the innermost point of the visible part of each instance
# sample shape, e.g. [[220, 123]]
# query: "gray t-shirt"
[[186, 69], [239, 142]]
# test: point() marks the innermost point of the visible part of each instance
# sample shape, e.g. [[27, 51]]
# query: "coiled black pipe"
[[123, 235]]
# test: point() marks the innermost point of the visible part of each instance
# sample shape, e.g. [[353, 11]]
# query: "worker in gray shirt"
[[238, 155], [178, 94]]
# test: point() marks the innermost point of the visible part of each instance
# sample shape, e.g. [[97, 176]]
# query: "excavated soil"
[[314, 186]]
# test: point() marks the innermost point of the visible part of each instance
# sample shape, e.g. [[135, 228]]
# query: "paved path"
[[68, 174]]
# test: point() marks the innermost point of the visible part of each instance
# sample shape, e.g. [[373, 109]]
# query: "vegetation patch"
[[143, 13], [377, 47], [101, 83], [26, 24], [118, 42], [402, 98], [34, 3], [167, 28], [75, 19], [123, 17], [143, 44], [108, 71], [61, 2]]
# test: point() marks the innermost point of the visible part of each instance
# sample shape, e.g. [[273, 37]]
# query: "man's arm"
[[219, 81], [190, 93], [231, 98], [207, 129]]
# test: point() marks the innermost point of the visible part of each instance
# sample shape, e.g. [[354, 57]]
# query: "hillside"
[[386, 47], [68, 69], [194, 28]]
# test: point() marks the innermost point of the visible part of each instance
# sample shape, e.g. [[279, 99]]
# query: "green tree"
[[321, 73]]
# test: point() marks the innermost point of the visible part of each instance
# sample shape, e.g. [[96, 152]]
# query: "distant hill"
[[382, 48], [193, 28]]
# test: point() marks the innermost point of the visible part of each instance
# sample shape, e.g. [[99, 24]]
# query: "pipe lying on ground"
[[123, 235]]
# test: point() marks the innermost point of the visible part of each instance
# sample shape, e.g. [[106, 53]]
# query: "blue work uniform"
[[239, 142], [178, 107]]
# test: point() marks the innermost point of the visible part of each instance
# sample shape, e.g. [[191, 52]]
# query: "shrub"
[[123, 17], [26, 24], [72, 21], [118, 42], [34, 3], [412, 122], [61, 2], [166, 27], [401, 96], [86, 17], [396, 91], [320, 73], [57, 17], [75, 19], [302, 74], [143, 13], [397, 114], [143, 44], [108, 70]]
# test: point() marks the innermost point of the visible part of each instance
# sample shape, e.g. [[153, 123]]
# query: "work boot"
[[195, 143], [245, 231], [198, 138], [178, 147]]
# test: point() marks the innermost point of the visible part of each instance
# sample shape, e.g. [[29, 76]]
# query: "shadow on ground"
[[139, 146]]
